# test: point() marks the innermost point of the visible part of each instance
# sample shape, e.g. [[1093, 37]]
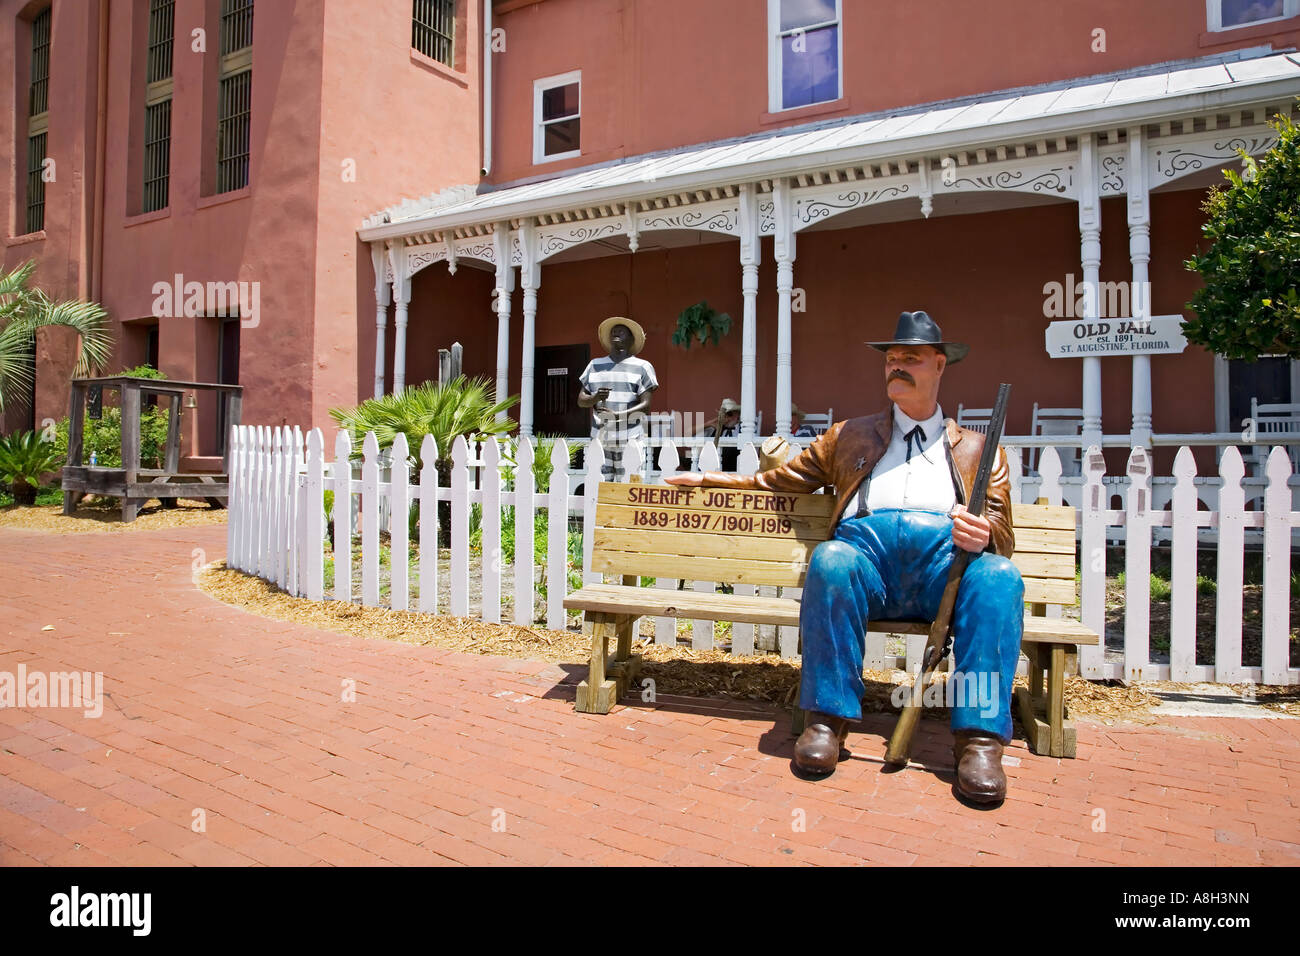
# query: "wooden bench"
[[767, 538]]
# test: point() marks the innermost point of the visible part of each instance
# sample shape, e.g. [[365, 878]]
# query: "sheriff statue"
[[902, 478]]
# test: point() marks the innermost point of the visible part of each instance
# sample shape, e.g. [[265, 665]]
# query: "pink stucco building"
[[811, 167]]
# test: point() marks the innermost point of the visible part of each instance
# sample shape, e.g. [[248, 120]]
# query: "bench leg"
[[1042, 712], [597, 695], [625, 666]]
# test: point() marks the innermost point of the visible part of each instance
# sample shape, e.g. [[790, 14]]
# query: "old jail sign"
[[1160, 334]]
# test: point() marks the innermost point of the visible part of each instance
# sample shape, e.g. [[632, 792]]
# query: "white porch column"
[[1139, 252], [1090, 253], [530, 279], [379, 257], [784, 254], [401, 303], [505, 285], [749, 256]]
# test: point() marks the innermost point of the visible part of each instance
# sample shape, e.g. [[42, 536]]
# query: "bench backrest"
[[763, 537], [708, 534]]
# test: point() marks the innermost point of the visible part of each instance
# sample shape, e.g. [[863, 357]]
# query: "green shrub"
[[1250, 304], [104, 437], [24, 460]]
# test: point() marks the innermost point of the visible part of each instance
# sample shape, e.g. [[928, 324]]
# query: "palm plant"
[[24, 459], [23, 311], [446, 411]]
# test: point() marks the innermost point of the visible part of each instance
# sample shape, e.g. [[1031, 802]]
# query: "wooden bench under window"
[[767, 538]]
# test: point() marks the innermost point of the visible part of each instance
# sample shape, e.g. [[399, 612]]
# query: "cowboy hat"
[[917, 328], [729, 405], [638, 333]]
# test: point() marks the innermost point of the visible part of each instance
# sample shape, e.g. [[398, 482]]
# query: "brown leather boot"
[[817, 750], [979, 767]]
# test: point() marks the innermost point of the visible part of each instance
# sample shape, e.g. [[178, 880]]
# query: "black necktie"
[[917, 435]]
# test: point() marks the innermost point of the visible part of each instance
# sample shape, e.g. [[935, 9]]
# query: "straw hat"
[[638, 333], [729, 405]]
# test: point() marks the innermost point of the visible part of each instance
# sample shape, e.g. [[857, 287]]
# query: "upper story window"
[[1229, 14], [804, 53], [557, 117], [433, 29], [234, 95], [158, 105], [38, 122]]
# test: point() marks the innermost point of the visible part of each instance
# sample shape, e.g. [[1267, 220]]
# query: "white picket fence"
[[278, 531]]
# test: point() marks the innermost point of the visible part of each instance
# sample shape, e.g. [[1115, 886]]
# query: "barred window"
[[38, 121], [158, 105], [236, 98], [162, 32], [157, 154], [236, 25], [39, 100], [35, 183], [235, 95], [433, 27]]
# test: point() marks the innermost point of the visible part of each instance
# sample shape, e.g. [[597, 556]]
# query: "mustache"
[[900, 374]]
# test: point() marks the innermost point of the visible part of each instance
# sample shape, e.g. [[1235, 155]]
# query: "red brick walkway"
[[238, 722]]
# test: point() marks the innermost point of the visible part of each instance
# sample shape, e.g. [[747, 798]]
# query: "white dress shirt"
[[908, 476]]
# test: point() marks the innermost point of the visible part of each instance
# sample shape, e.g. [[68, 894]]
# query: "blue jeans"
[[892, 564]]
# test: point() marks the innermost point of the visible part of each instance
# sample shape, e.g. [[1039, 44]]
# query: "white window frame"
[[539, 137], [1214, 16], [774, 104]]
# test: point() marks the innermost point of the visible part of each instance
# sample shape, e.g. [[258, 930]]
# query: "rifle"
[[936, 646]]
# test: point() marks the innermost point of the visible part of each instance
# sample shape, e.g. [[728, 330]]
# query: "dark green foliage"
[[104, 437], [24, 459], [700, 323], [1249, 305]]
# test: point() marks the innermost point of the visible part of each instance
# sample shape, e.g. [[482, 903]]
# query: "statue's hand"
[[970, 532], [687, 479]]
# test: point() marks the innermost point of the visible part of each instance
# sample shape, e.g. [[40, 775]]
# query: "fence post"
[[557, 537], [1049, 469], [666, 627], [742, 635], [429, 525], [1276, 612], [590, 484], [370, 521], [1182, 573], [1137, 566], [313, 518], [261, 527], [399, 524], [342, 469], [702, 631], [1232, 551], [1092, 563], [232, 499], [491, 559], [459, 527], [297, 456], [525, 563]]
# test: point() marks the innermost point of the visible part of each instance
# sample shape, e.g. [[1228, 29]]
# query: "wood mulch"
[[105, 515], [679, 670]]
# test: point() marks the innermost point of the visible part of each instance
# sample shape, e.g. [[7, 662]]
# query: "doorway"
[[555, 391]]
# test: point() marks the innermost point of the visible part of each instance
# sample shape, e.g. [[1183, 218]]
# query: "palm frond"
[[23, 311]]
